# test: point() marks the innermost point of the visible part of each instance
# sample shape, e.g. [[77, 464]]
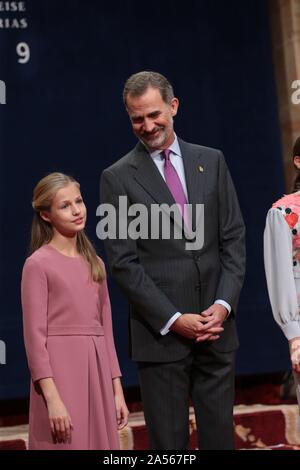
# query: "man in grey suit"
[[182, 302]]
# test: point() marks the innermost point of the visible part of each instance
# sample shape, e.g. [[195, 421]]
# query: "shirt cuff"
[[226, 305], [166, 328], [291, 330]]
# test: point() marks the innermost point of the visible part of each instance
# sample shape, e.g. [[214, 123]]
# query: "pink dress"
[[68, 336]]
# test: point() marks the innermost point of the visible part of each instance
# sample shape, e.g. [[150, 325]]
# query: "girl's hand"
[[121, 410], [295, 353], [60, 420]]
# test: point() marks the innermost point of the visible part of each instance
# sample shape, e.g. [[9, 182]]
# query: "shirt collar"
[[174, 147]]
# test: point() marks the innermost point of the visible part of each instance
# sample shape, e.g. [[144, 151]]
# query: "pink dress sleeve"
[[108, 329], [34, 293]]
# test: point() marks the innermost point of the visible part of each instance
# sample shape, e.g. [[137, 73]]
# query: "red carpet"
[[17, 444], [272, 426], [256, 427]]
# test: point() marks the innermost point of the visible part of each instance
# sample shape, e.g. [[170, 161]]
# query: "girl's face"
[[68, 212]]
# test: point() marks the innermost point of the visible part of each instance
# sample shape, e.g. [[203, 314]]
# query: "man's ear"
[[45, 216], [174, 106]]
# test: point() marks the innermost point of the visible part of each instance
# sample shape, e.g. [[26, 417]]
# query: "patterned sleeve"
[[278, 259]]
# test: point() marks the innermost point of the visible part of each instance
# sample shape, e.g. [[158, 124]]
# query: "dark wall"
[[64, 112]]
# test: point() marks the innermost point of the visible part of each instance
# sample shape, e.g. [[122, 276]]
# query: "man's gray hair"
[[137, 85]]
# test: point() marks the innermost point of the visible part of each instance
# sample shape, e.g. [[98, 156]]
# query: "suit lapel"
[[148, 176], [194, 168]]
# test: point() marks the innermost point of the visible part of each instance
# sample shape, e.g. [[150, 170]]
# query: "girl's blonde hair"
[[42, 231]]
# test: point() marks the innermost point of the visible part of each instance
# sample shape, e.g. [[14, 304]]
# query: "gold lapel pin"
[[201, 169]]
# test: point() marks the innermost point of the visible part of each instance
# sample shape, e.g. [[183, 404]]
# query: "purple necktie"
[[174, 184]]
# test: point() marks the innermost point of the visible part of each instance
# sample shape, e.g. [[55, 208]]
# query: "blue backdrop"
[[64, 112]]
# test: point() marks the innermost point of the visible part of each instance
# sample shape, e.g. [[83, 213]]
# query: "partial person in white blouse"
[[282, 265]]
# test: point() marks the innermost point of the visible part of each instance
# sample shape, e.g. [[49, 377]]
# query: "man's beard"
[[156, 142]]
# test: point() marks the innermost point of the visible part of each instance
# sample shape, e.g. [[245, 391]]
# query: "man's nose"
[[148, 125]]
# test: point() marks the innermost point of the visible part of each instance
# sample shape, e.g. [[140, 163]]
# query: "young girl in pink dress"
[[76, 397]]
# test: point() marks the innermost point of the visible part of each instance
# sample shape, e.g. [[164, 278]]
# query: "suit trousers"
[[207, 377]]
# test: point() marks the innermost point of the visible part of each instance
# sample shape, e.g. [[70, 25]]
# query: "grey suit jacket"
[[160, 277]]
